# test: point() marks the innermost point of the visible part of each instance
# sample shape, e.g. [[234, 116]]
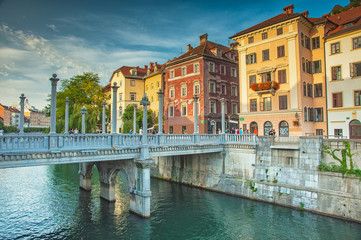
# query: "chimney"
[[203, 38], [189, 47], [305, 13], [146, 67], [288, 9]]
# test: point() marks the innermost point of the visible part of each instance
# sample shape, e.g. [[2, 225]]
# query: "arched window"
[[304, 89], [284, 129], [267, 128], [120, 111], [355, 129], [253, 126], [310, 114], [305, 114]]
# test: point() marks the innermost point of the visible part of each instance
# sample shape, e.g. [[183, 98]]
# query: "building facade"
[[343, 66], [5, 114], [14, 117], [282, 75], [208, 71], [153, 83]]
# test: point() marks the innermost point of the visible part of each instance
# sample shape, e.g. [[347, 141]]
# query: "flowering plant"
[[265, 86]]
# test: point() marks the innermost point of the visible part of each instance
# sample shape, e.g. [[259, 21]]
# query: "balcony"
[[266, 87]]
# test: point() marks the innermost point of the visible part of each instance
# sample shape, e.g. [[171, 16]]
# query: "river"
[[45, 202]]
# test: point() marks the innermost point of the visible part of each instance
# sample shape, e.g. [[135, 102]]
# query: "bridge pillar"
[[140, 196], [85, 175]]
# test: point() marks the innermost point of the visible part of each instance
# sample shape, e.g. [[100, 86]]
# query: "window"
[[251, 58], [309, 90], [151, 85], [253, 105], [267, 127], [265, 55], [120, 96], [308, 66], [253, 126], [120, 83], [184, 129], [336, 73], [284, 129], [355, 69], [171, 92], [151, 99], [310, 114], [120, 111], [250, 40], [357, 97], [280, 51], [223, 69], [252, 79], [318, 90], [184, 90], [132, 96], [307, 42], [196, 89], [319, 132], [184, 109], [337, 99], [318, 114], [196, 67], [157, 84], [356, 42], [266, 77], [224, 89], [279, 31], [211, 67], [264, 35], [335, 48], [171, 74], [212, 86], [337, 132], [234, 91], [283, 102], [184, 71], [305, 114], [146, 87], [213, 107], [132, 82], [316, 66], [266, 104], [303, 64], [171, 130], [171, 110], [282, 76], [234, 108], [233, 72], [315, 42], [302, 40]]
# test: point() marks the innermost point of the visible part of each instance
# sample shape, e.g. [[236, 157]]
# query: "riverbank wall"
[[278, 171]]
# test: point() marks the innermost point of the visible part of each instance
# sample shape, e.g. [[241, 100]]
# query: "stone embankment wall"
[[275, 172]]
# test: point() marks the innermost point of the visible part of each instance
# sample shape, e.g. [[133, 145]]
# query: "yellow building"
[[131, 89], [153, 83], [282, 75]]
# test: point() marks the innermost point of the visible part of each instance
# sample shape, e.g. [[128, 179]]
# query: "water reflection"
[[46, 202]]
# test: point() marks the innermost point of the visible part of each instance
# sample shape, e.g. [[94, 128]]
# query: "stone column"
[[83, 111], [195, 113], [54, 82], [145, 103], [114, 108], [103, 119], [135, 119], [66, 115], [22, 99], [160, 111], [223, 102]]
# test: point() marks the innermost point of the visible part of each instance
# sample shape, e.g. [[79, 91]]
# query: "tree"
[[128, 114], [82, 90]]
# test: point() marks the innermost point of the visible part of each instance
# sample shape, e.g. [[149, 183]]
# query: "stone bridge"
[[111, 153]]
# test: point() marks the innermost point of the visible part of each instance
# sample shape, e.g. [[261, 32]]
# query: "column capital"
[[22, 97], [67, 100], [54, 80], [223, 100], [83, 110], [195, 98], [104, 103], [160, 92], [145, 100], [115, 87]]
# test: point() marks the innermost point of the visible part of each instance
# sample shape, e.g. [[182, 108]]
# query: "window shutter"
[[352, 73], [255, 58]]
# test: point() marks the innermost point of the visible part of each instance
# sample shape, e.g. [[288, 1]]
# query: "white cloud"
[[52, 26]]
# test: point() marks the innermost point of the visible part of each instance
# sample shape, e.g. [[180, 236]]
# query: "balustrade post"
[[160, 111], [66, 115], [103, 119], [114, 108], [54, 82], [83, 111], [22, 99], [195, 113]]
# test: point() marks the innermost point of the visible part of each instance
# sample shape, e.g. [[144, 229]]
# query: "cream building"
[[343, 65], [282, 75], [153, 83]]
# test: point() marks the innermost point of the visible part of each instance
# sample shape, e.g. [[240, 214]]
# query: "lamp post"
[[160, 111], [67, 115], [22, 99], [54, 81], [83, 111]]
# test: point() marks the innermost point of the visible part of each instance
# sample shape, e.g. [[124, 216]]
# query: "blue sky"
[[68, 37]]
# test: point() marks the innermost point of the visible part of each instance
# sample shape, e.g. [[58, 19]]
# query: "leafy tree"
[[82, 90], [127, 118]]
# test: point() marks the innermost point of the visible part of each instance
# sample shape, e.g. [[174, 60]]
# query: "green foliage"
[[32, 129], [8, 129], [127, 125], [346, 156], [128, 116], [302, 205], [252, 185], [82, 90]]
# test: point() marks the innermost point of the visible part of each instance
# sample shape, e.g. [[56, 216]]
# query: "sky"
[[70, 37]]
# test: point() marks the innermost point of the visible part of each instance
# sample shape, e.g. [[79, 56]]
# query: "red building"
[[209, 71]]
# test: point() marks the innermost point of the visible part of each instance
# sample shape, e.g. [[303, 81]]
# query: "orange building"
[[282, 75]]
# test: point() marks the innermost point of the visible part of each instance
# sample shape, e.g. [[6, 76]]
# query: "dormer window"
[[133, 72], [219, 52], [348, 25]]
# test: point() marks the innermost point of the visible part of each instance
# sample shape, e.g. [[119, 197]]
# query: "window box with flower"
[[266, 87]]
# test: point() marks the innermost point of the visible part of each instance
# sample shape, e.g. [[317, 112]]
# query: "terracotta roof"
[[12, 109], [268, 22], [141, 72], [107, 88], [4, 106], [205, 49], [352, 15]]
